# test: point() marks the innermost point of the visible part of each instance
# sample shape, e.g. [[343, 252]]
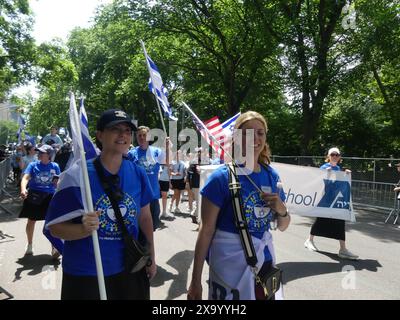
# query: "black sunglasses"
[[335, 154]]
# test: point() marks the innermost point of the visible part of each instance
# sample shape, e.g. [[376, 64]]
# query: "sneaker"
[[309, 244], [167, 216], [346, 254], [55, 254], [29, 250], [177, 210]]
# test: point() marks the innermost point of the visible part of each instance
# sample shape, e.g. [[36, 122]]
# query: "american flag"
[[221, 132]]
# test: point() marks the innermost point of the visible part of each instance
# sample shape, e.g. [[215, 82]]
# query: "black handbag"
[[37, 197], [268, 281], [137, 256]]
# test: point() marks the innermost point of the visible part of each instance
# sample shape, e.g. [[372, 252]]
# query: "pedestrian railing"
[[376, 195], [5, 169]]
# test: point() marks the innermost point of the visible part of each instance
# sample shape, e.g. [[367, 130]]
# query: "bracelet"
[[285, 215]]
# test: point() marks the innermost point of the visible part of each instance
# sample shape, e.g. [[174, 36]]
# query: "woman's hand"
[[348, 171], [91, 221], [151, 270], [274, 201], [23, 194], [195, 291]]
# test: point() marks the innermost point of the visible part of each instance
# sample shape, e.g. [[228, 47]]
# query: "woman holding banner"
[[327, 227], [131, 189], [262, 198]]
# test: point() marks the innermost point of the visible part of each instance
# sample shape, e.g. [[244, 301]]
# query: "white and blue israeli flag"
[[71, 185], [156, 86]]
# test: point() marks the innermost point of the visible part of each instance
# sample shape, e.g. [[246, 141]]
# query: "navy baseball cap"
[[112, 117]]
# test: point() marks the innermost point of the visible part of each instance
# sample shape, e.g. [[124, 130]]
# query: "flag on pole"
[[157, 87], [90, 149], [71, 180], [221, 132]]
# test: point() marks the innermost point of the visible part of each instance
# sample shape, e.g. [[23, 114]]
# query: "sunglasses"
[[335, 154]]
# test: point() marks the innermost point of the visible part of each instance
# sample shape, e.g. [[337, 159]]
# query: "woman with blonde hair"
[[218, 238]]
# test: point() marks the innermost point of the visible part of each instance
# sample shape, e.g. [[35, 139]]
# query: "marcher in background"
[[63, 156], [31, 156], [16, 159], [328, 227], [37, 188], [178, 173], [131, 189], [150, 158], [56, 140], [194, 183], [219, 240], [164, 181]]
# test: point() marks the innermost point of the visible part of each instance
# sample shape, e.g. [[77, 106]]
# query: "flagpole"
[[89, 201], [220, 146], [158, 103]]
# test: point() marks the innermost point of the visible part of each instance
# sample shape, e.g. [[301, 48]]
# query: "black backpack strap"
[[240, 219], [108, 190]]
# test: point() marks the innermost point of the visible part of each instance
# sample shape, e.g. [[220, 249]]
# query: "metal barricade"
[[5, 169]]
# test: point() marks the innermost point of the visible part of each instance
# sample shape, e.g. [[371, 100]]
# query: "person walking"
[[328, 227], [218, 240], [38, 185], [131, 188]]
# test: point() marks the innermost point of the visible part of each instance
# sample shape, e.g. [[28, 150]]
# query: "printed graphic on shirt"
[[109, 226], [257, 214], [147, 164], [44, 177]]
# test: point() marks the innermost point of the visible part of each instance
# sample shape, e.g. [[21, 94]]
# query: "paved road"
[[307, 275]]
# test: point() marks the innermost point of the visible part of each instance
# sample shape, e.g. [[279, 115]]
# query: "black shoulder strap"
[[108, 190], [240, 219]]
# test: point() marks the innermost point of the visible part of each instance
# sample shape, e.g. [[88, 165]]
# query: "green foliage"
[[16, 44], [8, 131]]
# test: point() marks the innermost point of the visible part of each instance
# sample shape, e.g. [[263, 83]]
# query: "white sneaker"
[[309, 244], [177, 210], [346, 254], [29, 250], [167, 216]]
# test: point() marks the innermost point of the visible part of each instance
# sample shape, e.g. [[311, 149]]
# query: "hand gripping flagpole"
[[220, 146], [158, 103], [89, 201]]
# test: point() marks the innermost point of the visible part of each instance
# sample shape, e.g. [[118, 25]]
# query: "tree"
[[16, 44], [221, 53]]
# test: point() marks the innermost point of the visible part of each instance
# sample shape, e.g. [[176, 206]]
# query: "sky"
[[56, 18]]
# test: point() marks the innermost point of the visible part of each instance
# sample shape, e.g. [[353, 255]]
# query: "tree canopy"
[[322, 72]]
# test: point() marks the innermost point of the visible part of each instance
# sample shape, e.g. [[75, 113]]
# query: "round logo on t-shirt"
[[109, 226], [257, 214]]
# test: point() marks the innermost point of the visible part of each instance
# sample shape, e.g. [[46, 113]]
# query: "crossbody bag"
[[136, 256], [270, 280]]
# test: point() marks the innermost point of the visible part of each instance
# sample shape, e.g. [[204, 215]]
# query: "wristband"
[[284, 215]]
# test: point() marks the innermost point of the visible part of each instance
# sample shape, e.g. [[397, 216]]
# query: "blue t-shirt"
[[148, 159], [328, 165], [78, 255], [42, 176], [258, 216]]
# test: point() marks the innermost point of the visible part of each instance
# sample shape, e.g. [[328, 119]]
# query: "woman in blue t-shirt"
[[218, 240], [37, 188], [133, 192], [328, 227]]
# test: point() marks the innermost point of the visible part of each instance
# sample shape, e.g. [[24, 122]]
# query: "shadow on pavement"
[[35, 265], [298, 270], [370, 223], [181, 263]]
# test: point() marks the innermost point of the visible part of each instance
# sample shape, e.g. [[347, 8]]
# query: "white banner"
[[310, 191]]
